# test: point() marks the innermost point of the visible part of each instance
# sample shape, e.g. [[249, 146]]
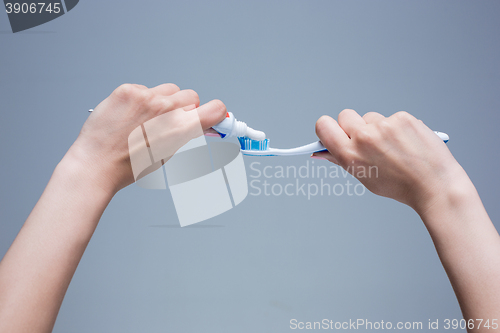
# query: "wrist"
[[83, 171], [452, 195]]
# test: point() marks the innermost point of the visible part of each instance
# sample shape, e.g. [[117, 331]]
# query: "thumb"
[[333, 137], [211, 113]]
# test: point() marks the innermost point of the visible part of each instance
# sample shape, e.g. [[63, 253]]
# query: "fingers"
[[350, 120], [211, 113], [189, 107], [211, 132], [324, 155], [181, 99], [373, 117], [207, 132], [333, 137], [166, 89]]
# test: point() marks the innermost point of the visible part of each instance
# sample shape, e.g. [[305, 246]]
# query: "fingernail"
[[212, 135], [317, 157]]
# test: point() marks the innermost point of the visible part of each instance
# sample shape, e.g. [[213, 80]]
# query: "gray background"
[[278, 65]]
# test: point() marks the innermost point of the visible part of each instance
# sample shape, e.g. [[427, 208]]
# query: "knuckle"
[[384, 125], [406, 120], [173, 86], [385, 128], [166, 104], [364, 137], [158, 105], [132, 93], [403, 116], [370, 114], [142, 96], [124, 91]]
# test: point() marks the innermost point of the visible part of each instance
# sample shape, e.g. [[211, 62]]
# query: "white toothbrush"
[[261, 148]]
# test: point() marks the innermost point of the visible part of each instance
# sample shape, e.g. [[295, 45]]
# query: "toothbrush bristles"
[[249, 144]]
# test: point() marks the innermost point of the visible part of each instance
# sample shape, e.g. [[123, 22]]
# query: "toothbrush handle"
[[302, 150], [311, 148], [443, 136], [308, 149]]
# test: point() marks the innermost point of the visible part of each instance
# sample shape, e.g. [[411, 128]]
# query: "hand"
[[397, 157], [102, 146]]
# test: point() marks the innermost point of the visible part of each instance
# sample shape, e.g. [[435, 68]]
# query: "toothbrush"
[[254, 143], [251, 147]]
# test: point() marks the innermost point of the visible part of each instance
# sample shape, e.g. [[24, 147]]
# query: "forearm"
[[37, 269], [469, 248], [417, 169]]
